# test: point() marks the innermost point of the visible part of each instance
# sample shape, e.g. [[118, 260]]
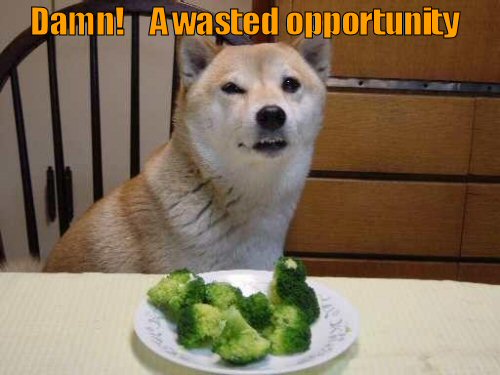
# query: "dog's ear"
[[317, 52], [196, 52]]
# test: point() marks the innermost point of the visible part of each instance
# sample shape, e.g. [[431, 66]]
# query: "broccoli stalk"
[[198, 325], [176, 291], [290, 288], [239, 343]]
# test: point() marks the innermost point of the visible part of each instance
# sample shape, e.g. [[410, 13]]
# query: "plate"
[[335, 330]]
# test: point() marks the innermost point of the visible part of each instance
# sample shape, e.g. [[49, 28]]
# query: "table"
[[83, 324]]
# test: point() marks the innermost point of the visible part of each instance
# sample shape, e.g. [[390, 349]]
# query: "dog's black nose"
[[271, 117]]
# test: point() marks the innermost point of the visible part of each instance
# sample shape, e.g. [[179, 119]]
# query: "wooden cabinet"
[[471, 56], [410, 181], [456, 220]]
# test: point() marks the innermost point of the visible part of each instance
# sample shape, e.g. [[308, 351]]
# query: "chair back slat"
[[134, 104], [29, 206], [57, 135], [95, 108]]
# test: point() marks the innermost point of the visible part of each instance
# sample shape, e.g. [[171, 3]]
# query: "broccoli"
[[291, 268], [239, 343], [177, 290], [240, 329], [290, 333], [289, 287], [198, 325], [222, 295], [256, 310]]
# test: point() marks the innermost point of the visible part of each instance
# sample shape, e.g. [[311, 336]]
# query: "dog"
[[221, 194]]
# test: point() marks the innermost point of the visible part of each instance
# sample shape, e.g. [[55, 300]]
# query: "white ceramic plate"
[[335, 330]]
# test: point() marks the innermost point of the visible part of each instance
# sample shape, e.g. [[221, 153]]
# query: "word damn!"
[[429, 22]]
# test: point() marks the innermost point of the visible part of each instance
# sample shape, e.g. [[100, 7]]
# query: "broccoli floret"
[[289, 333], [290, 268], [177, 290], [198, 325], [290, 340], [239, 343], [289, 287], [287, 315], [256, 309], [222, 295]]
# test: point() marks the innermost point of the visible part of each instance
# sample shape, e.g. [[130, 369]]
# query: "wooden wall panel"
[[381, 268], [395, 133], [350, 216], [482, 221], [486, 138], [479, 273], [471, 56]]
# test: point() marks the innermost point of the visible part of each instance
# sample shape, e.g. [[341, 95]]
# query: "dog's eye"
[[290, 85], [232, 88]]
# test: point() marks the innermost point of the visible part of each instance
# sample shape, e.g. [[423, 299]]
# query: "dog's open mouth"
[[270, 146]]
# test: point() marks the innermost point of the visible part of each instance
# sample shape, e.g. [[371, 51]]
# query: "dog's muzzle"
[[270, 120]]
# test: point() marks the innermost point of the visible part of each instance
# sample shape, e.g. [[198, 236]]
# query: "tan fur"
[[193, 207]]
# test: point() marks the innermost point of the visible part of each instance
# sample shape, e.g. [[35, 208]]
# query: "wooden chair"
[[24, 44]]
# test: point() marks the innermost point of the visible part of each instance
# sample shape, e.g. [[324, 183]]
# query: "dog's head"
[[253, 104]]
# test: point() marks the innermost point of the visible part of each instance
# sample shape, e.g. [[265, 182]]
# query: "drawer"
[[472, 56], [395, 133], [482, 221], [381, 268], [479, 273], [486, 138], [353, 216]]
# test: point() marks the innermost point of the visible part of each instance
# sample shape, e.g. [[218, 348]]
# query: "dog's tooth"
[[270, 141]]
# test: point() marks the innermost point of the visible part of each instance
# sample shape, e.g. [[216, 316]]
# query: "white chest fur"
[[248, 230]]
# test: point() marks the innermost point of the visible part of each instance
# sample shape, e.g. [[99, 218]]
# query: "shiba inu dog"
[[222, 192]]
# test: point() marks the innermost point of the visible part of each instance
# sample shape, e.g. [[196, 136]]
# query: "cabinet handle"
[[50, 195], [68, 191]]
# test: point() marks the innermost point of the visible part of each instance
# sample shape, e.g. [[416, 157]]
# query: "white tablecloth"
[[83, 324]]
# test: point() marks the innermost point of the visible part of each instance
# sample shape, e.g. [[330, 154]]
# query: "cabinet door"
[[376, 217], [472, 56], [395, 134], [33, 80]]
